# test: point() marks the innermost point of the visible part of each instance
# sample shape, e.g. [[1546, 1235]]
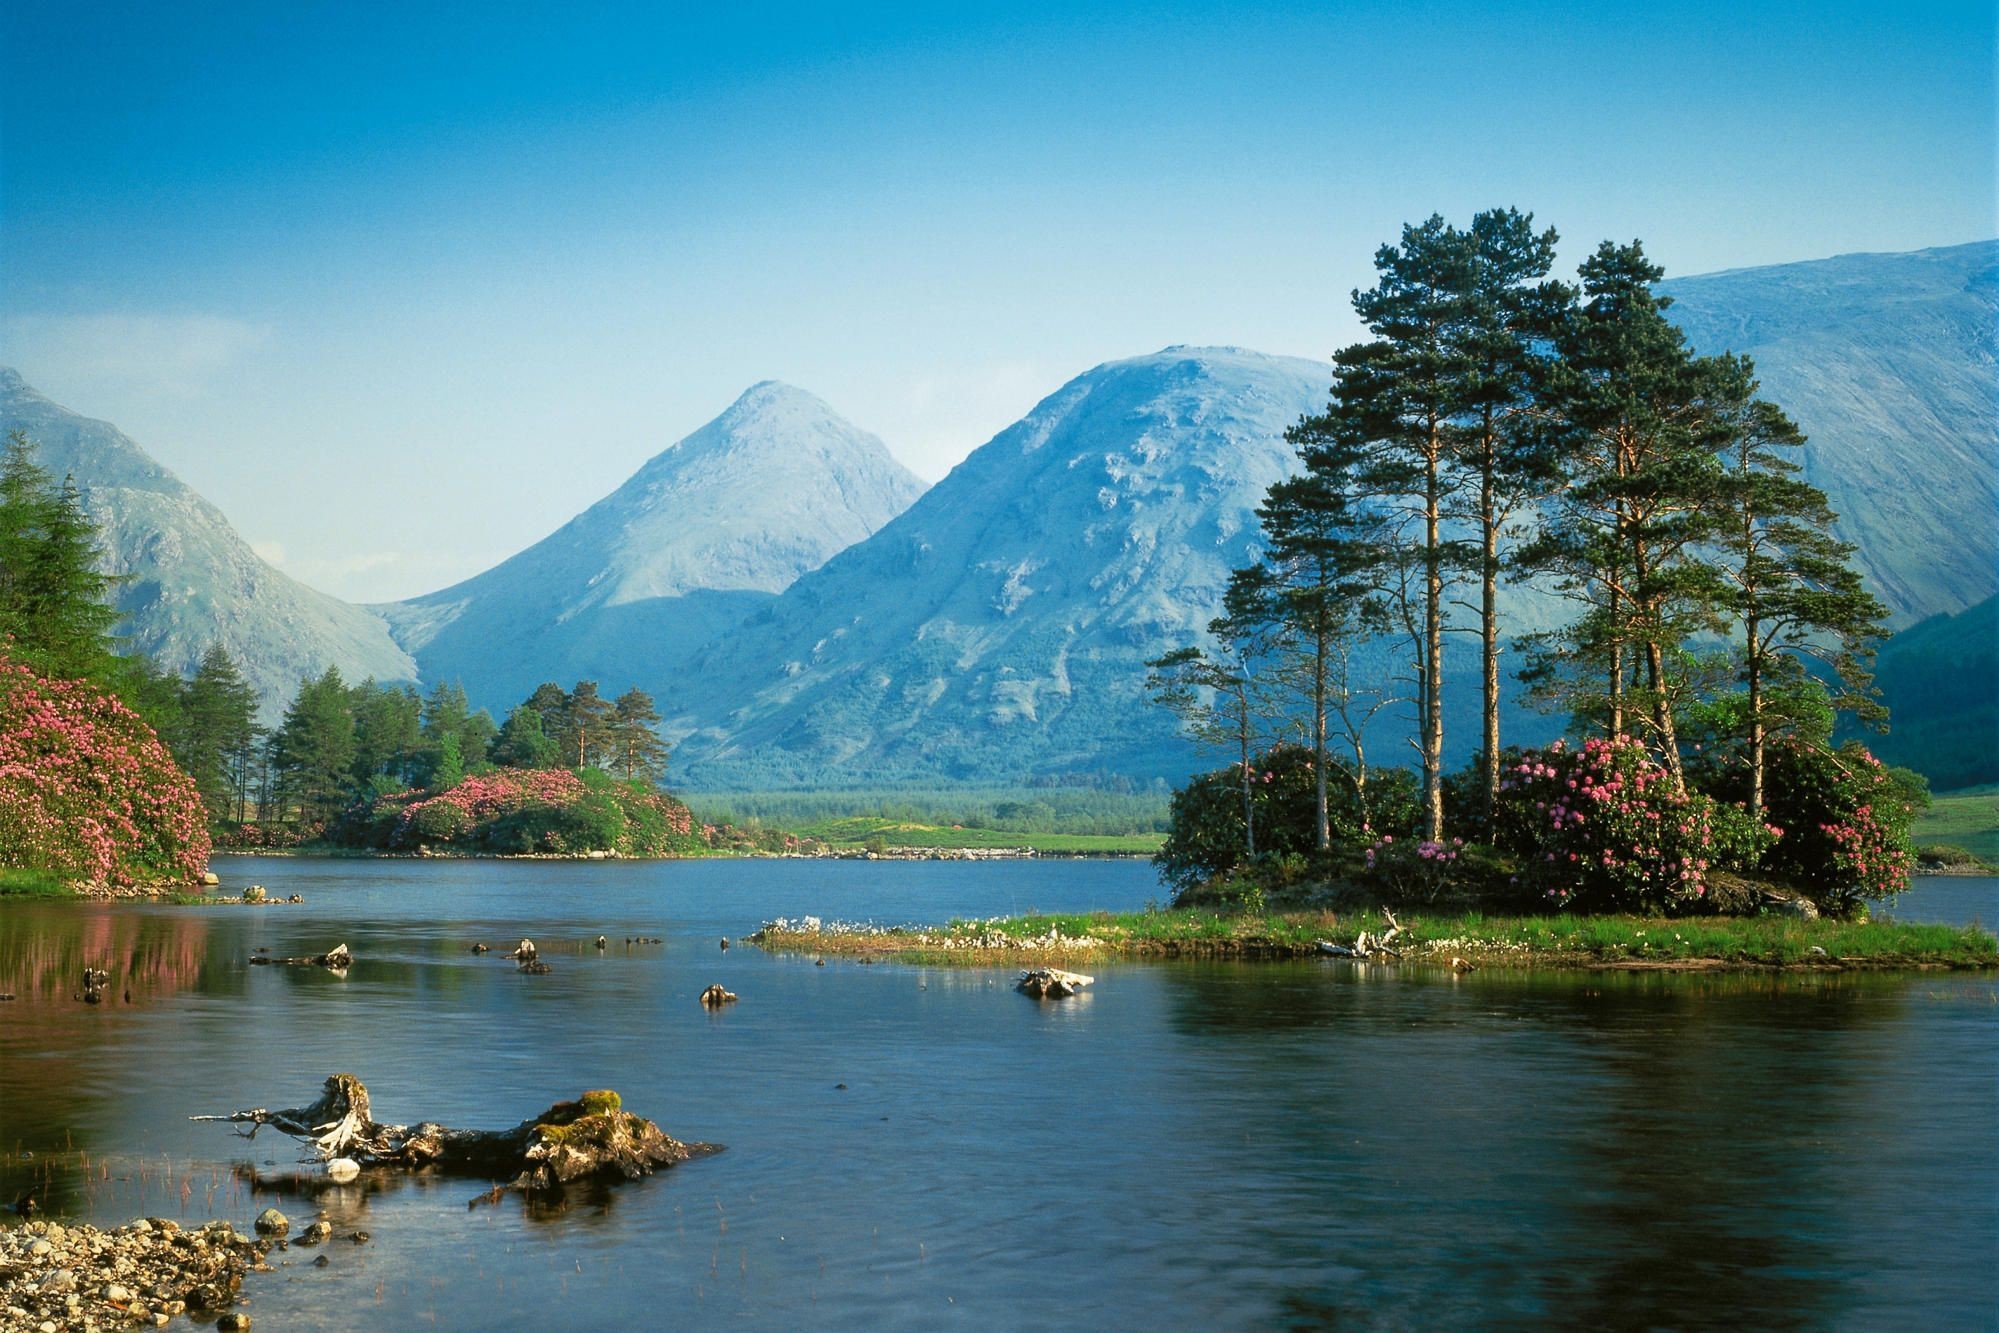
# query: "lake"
[[1242, 1145]]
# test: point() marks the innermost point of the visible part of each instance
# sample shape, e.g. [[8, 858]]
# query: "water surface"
[[1240, 1145]]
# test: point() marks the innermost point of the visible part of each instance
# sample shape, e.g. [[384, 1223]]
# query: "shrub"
[[1601, 827], [1846, 819], [515, 810], [86, 789], [1204, 836]]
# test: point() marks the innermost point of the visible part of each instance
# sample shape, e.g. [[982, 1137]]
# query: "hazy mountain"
[[697, 538], [1888, 363], [192, 580], [1000, 627]]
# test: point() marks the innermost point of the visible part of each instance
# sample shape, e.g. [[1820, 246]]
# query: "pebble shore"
[[55, 1278]]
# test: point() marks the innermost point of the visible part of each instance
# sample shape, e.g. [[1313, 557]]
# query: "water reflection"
[[1195, 1143]]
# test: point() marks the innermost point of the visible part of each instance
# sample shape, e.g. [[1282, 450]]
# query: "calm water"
[[1187, 1145]]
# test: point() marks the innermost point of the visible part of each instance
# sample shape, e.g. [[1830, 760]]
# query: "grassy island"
[[1562, 940]]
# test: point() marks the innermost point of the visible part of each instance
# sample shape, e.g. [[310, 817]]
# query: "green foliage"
[[1204, 838], [216, 730], [55, 615], [523, 741], [312, 752], [1845, 818], [1604, 827]]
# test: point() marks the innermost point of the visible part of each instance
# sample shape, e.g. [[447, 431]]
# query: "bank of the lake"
[[1564, 940]]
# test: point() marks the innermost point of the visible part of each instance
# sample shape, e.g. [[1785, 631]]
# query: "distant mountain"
[[1940, 680], [1890, 363], [192, 581], [699, 537], [999, 628]]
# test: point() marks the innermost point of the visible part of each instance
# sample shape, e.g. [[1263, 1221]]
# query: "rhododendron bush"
[[1846, 819], [1602, 826], [512, 810], [87, 790]]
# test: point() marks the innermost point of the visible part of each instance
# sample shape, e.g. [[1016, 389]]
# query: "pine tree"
[[552, 702], [1391, 434], [1638, 420], [389, 748], [1502, 448], [54, 600], [1791, 587], [635, 745], [1222, 697], [523, 742], [218, 723], [588, 717], [312, 751]]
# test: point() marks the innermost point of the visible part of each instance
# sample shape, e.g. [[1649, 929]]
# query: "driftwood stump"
[[591, 1136], [1051, 983]]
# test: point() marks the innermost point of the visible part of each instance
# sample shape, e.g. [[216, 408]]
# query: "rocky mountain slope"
[[697, 538], [191, 580], [1000, 627], [1890, 363]]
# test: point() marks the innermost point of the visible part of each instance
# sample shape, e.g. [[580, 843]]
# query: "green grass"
[[1560, 940], [1966, 819], [861, 830], [24, 883]]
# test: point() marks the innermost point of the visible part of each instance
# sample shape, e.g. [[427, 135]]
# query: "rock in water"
[[271, 1222], [715, 997], [1050, 983], [343, 1169]]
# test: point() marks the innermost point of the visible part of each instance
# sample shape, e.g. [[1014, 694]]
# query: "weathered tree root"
[[1367, 945], [336, 959], [1051, 983], [591, 1136]]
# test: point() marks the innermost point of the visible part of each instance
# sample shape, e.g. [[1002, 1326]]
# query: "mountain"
[[1890, 363], [1937, 679], [191, 580], [999, 628], [699, 537]]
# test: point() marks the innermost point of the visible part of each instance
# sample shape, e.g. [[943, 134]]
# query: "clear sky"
[[402, 288]]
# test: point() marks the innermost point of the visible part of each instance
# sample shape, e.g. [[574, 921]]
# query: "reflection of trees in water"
[[50, 1040], [150, 955], [1602, 1147], [347, 1203]]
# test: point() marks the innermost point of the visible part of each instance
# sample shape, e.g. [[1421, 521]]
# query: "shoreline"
[[1459, 942]]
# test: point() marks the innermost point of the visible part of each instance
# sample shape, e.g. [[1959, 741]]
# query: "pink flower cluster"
[[1420, 869], [1604, 825], [494, 794], [87, 790]]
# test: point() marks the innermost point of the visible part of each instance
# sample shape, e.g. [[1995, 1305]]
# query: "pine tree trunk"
[[1433, 639], [1489, 644], [1755, 723], [1662, 713], [1325, 829]]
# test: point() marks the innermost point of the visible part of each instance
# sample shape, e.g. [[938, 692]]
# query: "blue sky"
[[403, 292]]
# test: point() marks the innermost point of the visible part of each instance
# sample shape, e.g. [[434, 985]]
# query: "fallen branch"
[[336, 959], [1368, 945], [591, 1136]]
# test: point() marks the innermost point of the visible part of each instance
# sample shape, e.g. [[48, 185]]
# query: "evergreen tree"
[[523, 742], [1502, 448], [218, 723], [388, 735], [552, 702], [54, 601], [1789, 584], [1390, 437], [312, 751], [448, 714], [635, 745], [588, 719], [1638, 420]]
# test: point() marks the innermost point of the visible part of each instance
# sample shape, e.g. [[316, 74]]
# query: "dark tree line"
[[339, 743], [1500, 425]]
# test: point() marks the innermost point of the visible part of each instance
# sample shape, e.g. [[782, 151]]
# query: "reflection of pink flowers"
[[86, 788]]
